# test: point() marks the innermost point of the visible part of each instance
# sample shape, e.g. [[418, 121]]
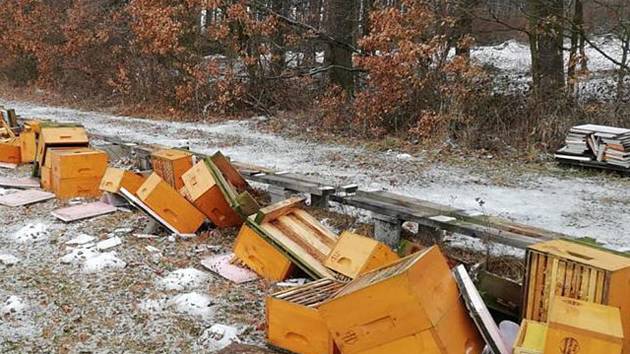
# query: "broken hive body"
[[569, 269], [296, 234], [204, 191], [116, 178], [77, 172], [260, 256], [294, 322], [384, 307], [582, 327], [354, 255], [170, 205], [171, 164]]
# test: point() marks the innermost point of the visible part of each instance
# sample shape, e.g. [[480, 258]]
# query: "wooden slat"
[[274, 211]]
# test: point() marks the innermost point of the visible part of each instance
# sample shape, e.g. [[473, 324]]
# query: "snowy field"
[[597, 206]]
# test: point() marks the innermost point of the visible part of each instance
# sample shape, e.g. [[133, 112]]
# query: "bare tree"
[[546, 22], [341, 23]]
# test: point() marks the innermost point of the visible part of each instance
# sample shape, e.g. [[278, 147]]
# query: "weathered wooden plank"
[[274, 211]]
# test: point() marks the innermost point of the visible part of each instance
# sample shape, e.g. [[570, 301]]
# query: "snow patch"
[[103, 261], [182, 279], [8, 259], [13, 306], [78, 255], [193, 304], [218, 337], [30, 233]]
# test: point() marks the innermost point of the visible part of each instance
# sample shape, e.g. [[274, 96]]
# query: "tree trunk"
[[341, 23], [463, 26], [546, 35], [577, 43], [278, 46], [366, 8]]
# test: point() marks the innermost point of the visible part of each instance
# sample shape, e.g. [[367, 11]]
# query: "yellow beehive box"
[[354, 255], [46, 178], [170, 205], [413, 295], [260, 256], [10, 152], [78, 163], [531, 338], [207, 196], [171, 164], [59, 136], [294, 322], [86, 187], [569, 269], [583, 327], [28, 146], [116, 178]]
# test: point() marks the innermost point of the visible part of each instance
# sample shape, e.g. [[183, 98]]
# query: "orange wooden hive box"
[[294, 322], [45, 171], [581, 272], [354, 255], [394, 307], [115, 178], [10, 151], [77, 172], [583, 327], [208, 197], [262, 257], [165, 201], [171, 164], [57, 137]]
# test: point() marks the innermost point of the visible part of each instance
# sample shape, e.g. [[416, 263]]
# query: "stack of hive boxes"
[[573, 326], [77, 172], [56, 137], [411, 306], [577, 271]]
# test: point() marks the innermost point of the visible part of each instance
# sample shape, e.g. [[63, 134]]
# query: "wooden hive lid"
[[171, 154], [601, 320], [64, 135], [583, 254], [383, 273]]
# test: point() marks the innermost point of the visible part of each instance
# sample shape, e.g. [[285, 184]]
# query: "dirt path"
[[576, 203]]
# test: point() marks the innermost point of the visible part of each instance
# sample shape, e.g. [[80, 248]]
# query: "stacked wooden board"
[[597, 143]]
